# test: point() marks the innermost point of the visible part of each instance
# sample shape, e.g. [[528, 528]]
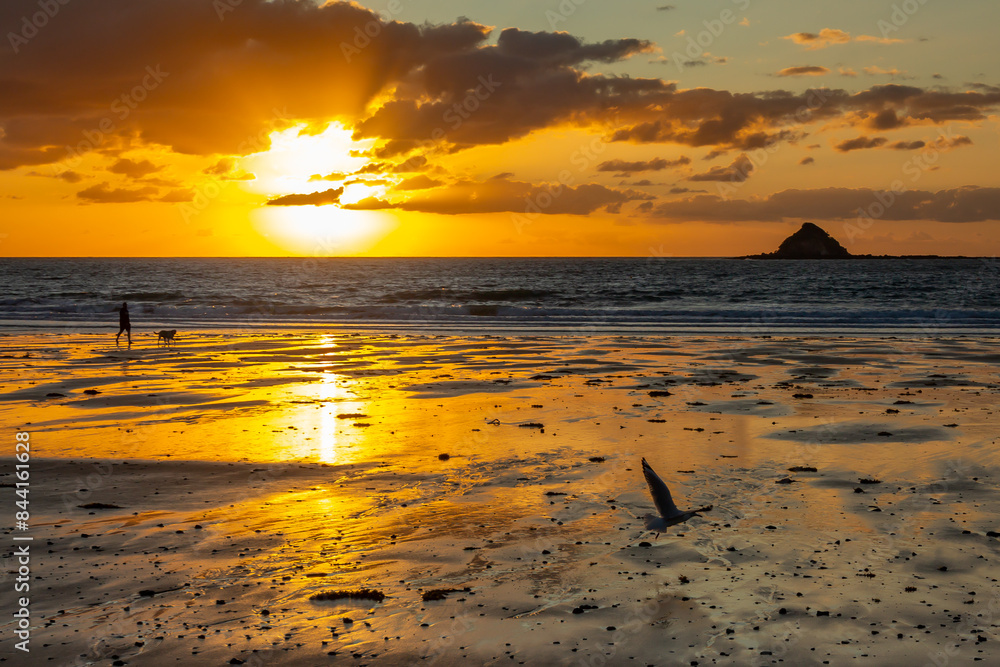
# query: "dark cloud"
[[656, 164], [706, 117], [133, 169], [174, 73], [331, 196], [804, 70], [517, 97], [966, 204], [807, 160], [859, 143], [69, 175], [822, 39], [110, 72], [906, 145], [736, 172], [887, 119], [564, 49], [500, 194], [830, 36], [103, 194]]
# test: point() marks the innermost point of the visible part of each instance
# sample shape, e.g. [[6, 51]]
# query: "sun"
[[322, 231], [302, 161]]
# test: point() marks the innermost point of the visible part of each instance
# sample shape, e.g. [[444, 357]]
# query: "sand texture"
[[854, 484]]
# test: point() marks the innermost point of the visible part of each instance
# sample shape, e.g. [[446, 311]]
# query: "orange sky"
[[258, 128]]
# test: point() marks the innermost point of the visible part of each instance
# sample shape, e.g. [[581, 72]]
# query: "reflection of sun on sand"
[[854, 484]]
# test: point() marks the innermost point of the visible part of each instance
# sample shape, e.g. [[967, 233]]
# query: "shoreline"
[[504, 328]]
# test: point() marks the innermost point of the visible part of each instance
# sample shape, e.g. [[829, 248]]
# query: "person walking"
[[124, 324]]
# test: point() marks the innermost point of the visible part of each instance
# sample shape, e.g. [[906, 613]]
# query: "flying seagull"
[[669, 514]]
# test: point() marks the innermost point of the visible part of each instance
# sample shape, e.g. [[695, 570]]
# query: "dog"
[[167, 336]]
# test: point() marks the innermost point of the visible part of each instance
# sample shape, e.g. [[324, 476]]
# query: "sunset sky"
[[572, 127]]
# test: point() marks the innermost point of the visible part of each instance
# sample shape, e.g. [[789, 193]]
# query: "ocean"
[[498, 295]]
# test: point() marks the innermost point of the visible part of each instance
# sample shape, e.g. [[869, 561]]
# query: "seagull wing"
[[661, 494]]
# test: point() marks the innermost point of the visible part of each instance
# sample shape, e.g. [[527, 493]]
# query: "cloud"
[[532, 88], [369, 204], [414, 163], [943, 142], [175, 75], [831, 36], [807, 160], [706, 59], [859, 143], [133, 169], [500, 194], [878, 40], [335, 176], [820, 40], [211, 88], [665, 8], [103, 194], [737, 172], [952, 142], [177, 196], [225, 168], [804, 70], [369, 181], [421, 182], [965, 204], [68, 175], [564, 49], [656, 164], [331, 196], [906, 145], [886, 119], [875, 70], [706, 117]]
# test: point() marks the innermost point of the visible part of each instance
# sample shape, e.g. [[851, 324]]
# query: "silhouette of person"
[[124, 323]]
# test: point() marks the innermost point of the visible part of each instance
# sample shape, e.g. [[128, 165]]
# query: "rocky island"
[[812, 242], [809, 242]]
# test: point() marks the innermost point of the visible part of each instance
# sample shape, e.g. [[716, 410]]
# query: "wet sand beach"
[[188, 502]]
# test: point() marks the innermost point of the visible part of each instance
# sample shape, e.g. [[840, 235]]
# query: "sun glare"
[[321, 230], [296, 156], [301, 162]]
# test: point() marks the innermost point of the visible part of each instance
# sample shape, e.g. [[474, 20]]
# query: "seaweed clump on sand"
[[441, 593], [359, 594]]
